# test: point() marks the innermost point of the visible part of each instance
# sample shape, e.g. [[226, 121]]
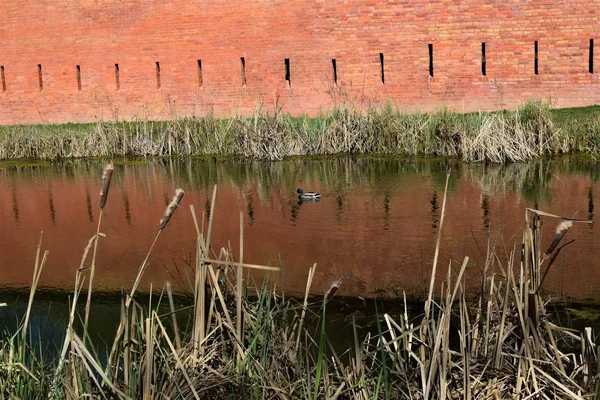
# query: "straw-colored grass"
[[528, 132], [247, 341]]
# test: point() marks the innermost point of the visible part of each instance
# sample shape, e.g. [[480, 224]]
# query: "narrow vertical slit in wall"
[[157, 75], [79, 78], [40, 80], [243, 63], [334, 65], [591, 60], [382, 68], [287, 71], [200, 73], [483, 60], [117, 77], [535, 60], [430, 45], [3, 78]]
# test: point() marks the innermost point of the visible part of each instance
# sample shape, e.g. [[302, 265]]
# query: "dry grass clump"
[[247, 341], [526, 133]]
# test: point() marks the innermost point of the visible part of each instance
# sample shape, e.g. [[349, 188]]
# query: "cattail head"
[[561, 230], [335, 285], [171, 208], [106, 177], [564, 226]]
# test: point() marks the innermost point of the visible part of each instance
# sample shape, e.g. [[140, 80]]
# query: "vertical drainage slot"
[[3, 78], [40, 80], [590, 62], [117, 77], [79, 78], [157, 75], [536, 58], [243, 65], [334, 65], [200, 73], [382, 68], [430, 45], [483, 60], [287, 72]]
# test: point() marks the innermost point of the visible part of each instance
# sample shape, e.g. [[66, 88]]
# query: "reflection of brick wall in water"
[[152, 59]]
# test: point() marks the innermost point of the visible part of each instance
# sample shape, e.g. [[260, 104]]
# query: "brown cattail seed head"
[[564, 226], [561, 230], [106, 177], [335, 285], [171, 208]]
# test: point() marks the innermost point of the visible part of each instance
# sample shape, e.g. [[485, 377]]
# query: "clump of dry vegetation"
[[247, 341], [528, 132]]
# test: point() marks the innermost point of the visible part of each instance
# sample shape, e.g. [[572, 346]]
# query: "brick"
[[136, 34]]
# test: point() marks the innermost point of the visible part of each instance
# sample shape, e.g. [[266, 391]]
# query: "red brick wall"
[[97, 34]]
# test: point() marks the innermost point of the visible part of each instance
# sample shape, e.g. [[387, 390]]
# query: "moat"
[[375, 225]]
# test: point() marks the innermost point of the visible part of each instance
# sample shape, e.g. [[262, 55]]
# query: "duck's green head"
[[300, 191]]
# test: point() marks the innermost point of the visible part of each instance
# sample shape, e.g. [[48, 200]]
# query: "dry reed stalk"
[[198, 329], [90, 372], [149, 362], [224, 309], [141, 270], [425, 328], [106, 178], [173, 316], [239, 283], [37, 272], [201, 320], [437, 249], [80, 346], [210, 222], [203, 253], [169, 211], [76, 291], [178, 360], [237, 264], [311, 274], [126, 339]]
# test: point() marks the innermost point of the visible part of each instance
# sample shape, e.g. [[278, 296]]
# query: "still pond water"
[[375, 225]]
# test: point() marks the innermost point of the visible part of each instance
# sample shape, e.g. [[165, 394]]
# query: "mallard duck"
[[308, 195]]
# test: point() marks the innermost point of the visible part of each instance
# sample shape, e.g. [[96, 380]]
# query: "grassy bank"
[[528, 132], [247, 340]]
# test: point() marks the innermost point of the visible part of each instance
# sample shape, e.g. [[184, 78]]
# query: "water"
[[375, 225]]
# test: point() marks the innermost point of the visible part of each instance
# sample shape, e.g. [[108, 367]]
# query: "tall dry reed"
[[528, 132]]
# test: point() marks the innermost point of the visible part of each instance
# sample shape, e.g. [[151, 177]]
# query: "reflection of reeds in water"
[[51, 207], [15, 203], [247, 341], [590, 203], [126, 206], [88, 204], [485, 207], [268, 182], [531, 181], [434, 210]]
